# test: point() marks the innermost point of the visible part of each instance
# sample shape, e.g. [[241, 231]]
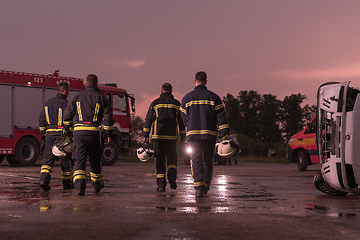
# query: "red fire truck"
[[22, 96]]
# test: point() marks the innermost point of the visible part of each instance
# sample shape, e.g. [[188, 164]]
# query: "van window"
[[119, 103]]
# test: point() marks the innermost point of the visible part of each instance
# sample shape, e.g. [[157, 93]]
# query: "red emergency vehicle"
[[22, 96], [302, 147]]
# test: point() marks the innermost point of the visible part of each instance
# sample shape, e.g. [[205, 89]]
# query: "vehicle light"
[[290, 141], [188, 149]]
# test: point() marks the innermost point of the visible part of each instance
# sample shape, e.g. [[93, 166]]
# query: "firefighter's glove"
[[224, 137]]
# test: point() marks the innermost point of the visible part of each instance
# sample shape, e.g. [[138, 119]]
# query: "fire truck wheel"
[[2, 158], [302, 160], [324, 187], [110, 154], [26, 152]]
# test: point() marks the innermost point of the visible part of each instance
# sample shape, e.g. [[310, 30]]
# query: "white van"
[[338, 139]]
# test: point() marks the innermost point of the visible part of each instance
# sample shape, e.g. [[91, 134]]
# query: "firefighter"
[[165, 117], [204, 117], [88, 110], [51, 127]]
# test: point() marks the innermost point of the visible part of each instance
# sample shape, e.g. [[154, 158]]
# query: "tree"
[[248, 113], [269, 119], [232, 111], [292, 114], [137, 125]]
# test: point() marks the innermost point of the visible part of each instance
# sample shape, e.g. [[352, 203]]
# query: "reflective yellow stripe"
[[67, 122], [42, 128], [146, 130], [199, 184], [86, 128], [66, 175], [172, 166], [164, 137], [54, 130], [96, 177], [166, 106], [201, 132], [46, 169], [182, 132], [223, 126], [160, 175], [108, 127], [97, 107], [79, 174], [219, 106], [78, 106], [182, 110], [201, 102], [60, 117], [47, 114]]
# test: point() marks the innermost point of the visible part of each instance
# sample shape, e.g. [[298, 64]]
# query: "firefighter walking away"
[[89, 109]]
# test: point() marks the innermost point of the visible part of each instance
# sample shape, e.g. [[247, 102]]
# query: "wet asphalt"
[[246, 201]]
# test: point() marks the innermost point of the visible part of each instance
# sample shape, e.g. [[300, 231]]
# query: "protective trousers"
[[49, 159], [201, 159], [87, 145], [165, 149]]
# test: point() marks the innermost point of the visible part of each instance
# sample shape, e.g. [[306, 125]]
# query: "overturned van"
[[338, 139]]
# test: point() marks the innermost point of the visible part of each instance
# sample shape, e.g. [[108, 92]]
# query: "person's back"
[[164, 116], [88, 109], [51, 127], [203, 112], [204, 116]]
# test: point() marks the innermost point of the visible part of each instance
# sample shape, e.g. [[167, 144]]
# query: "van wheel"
[[26, 153], [110, 154], [324, 187], [302, 160]]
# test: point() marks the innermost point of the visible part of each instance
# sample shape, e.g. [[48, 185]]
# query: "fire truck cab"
[[22, 96]]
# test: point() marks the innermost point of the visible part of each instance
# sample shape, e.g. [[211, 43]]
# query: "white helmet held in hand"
[[226, 148], [144, 154], [62, 147]]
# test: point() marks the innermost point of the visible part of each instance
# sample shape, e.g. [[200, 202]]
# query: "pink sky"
[[278, 47]]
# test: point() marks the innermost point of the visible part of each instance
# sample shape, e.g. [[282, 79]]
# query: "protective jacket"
[[164, 113], [51, 116], [88, 110], [203, 114]]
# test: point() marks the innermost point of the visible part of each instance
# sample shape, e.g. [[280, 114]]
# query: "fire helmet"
[[144, 154], [62, 147], [226, 148]]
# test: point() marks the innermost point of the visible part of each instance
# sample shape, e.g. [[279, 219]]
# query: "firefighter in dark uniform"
[[165, 117], [89, 109], [204, 117], [51, 126]]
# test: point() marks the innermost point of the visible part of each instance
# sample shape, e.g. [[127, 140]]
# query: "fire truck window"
[[120, 103]]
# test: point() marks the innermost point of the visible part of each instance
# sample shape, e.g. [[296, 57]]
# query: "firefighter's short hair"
[[63, 86], [92, 79], [201, 76], [166, 87]]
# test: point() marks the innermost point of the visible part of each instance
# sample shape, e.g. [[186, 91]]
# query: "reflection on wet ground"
[[228, 194]]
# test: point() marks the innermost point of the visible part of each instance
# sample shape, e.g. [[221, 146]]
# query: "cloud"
[[130, 63], [347, 71], [143, 106]]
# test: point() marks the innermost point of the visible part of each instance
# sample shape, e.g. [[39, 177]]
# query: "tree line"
[[261, 122]]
